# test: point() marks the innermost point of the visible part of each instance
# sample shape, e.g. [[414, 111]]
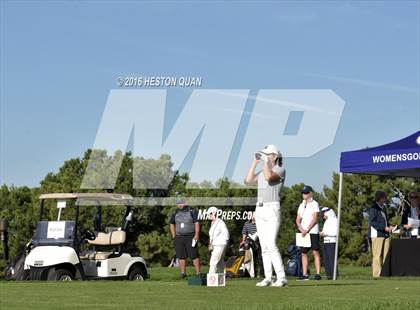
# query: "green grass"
[[354, 290]]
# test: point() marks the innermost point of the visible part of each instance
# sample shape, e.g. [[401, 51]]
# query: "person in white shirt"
[[219, 237], [329, 233], [267, 212], [307, 223]]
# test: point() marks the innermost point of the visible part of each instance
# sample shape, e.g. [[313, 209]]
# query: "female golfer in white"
[[219, 237], [267, 212]]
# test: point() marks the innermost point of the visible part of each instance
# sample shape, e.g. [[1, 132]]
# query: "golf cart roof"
[[89, 196]]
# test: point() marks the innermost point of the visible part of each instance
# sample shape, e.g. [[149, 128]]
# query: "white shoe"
[[280, 283], [265, 282]]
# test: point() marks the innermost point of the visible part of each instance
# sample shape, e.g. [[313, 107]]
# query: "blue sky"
[[59, 61]]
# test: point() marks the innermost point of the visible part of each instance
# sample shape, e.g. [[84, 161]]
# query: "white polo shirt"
[[306, 210], [218, 233]]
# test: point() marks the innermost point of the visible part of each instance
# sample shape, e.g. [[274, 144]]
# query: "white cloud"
[[368, 83]]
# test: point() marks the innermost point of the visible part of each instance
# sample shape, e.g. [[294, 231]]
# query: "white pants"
[[217, 263], [267, 219]]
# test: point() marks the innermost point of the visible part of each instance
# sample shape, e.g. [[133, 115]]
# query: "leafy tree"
[[156, 248], [149, 230], [18, 206]]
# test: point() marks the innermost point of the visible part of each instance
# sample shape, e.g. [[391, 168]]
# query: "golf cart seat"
[[115, 237], [96, 255]]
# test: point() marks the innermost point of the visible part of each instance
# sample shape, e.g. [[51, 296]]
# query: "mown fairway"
[[355, 290]]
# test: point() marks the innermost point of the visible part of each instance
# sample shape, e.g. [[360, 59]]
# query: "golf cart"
[[55, 252]]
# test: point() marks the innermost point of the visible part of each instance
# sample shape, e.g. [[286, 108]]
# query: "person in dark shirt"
[[185, 229], [379, 230], [411, 211], [249, 229]]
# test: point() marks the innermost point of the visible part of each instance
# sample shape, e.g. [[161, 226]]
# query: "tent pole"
[[340, 193]]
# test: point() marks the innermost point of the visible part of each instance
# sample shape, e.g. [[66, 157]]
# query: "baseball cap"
[[212, 210], [179, 199], [306, 189], [324, 210], [270, 149], [328, 212]]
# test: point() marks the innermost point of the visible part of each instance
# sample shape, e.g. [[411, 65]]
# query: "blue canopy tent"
[[399, 158]]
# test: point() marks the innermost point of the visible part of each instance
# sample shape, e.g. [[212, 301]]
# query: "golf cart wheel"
[[60, 275], [137, 274]]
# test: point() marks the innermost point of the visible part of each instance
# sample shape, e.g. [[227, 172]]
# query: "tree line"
[[149, 231]]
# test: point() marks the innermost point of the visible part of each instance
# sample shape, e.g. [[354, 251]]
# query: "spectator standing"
[[249, 230], [185, 229], [329, 233], [219, 237], [412, 211], [379, 230], [307, 223]]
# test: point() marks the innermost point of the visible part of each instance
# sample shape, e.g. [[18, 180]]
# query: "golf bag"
[[294, 263], [15, 270], [233, 266]]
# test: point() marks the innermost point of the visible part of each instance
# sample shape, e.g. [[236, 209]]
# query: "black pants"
[[329, 255], [183, 247], [258, 262]]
